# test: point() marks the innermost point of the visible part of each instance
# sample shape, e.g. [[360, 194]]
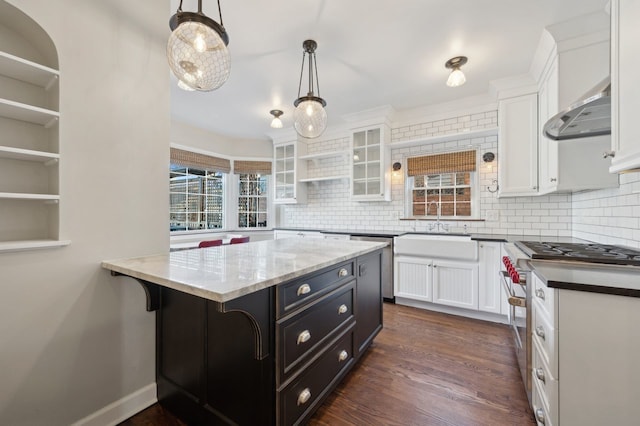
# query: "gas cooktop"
[[586, 252]]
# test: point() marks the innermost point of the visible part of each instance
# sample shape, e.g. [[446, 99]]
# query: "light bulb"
[[276, 123], [309, 109], [199, 43], [456, 78], [185, 86]]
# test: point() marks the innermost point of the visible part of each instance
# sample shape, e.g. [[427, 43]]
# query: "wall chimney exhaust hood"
[[590, 116]]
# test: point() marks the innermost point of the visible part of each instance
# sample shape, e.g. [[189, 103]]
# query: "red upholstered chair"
[[210, 243], [239, 240]]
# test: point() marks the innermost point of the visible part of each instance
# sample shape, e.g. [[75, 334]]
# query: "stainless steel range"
[[580, 252]]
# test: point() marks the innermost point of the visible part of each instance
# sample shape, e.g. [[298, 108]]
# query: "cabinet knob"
[[540, 415], [343, 272], [540, 332], [540, 293], [304, 396], [304, 337], [342, 309], [304, 289], [534, 187], [343, 355], [553, 180], [540, 374]]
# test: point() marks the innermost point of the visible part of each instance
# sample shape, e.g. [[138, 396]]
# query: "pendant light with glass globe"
[[310, 118], [197, 49]]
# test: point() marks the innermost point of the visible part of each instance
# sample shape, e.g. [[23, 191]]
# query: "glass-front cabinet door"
[[287, 174], [370, 157]]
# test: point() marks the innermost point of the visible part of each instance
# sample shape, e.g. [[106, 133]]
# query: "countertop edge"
[[113, 265]]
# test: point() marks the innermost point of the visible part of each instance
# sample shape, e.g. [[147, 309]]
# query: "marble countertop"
[[596, 278], [225, 273]]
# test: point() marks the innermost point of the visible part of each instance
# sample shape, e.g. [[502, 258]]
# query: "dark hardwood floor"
[[424, 368]]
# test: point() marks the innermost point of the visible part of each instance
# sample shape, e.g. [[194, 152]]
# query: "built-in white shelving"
[[27, 71], [29, 220], [29, 196], [28, 113], [31, 244], [323, 178], [28, 155], [323, 155]]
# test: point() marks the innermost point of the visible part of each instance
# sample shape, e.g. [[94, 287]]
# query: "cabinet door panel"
[[455, 284], [518, 145], [412, 278]]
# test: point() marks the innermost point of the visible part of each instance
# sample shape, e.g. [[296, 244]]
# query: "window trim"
[[231, 191], [474, 185]]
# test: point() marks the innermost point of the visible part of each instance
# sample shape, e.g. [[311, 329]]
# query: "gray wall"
[[73, 338]]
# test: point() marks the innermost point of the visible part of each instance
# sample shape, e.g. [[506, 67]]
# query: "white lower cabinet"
[[439, 281], [584, 363], [455, 284], [489, 263], [287, 233], [412, 278]]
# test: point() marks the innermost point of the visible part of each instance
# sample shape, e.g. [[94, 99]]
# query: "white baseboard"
[[122, 409], [484, 316]]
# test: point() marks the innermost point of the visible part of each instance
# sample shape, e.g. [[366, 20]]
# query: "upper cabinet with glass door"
[[370, 174], [289, 169]]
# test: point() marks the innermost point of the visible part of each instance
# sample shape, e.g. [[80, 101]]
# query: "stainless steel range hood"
[[590, 116]]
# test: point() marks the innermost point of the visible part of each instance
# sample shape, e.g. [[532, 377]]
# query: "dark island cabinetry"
[[269, 357]]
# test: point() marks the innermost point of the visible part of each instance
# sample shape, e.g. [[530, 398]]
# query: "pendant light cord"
[[301, 72], [220, 14]]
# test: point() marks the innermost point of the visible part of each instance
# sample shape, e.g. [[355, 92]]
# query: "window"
[[252, 201], [196, 191], [253, 190], [442, 185]]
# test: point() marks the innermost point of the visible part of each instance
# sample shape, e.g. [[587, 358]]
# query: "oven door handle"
[[511, 299]]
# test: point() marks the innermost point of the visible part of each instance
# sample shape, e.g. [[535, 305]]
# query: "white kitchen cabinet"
[[518, 146], [289, 170], [29, 149], [455, 283], [489, 286], [573, 164], [279, 234], [584, 357], [371, 164], [625, 88], [440, 281], [412, 278]]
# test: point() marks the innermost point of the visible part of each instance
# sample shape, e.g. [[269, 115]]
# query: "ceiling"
[[370, 54]]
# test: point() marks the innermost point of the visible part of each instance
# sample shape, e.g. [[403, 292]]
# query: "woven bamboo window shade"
[[200, 161], [463, 161], [252, 167]]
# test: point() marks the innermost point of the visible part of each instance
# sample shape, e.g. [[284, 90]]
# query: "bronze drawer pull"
[[304, 289]]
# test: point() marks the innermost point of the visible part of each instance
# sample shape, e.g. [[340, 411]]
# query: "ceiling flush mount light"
[[197, 49], [310, 118], [456, 78], [276, 123]]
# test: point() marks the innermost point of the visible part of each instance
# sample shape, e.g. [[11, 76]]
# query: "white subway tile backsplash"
[[606, 216]]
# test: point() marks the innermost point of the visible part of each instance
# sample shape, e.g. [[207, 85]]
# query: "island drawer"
[[305, 334], [303, 395], [295, 294]]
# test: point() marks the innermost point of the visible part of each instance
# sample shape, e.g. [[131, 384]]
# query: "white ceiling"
[[370, 54]]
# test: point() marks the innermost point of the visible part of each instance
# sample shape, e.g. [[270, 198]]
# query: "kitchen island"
[[258, 333]]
